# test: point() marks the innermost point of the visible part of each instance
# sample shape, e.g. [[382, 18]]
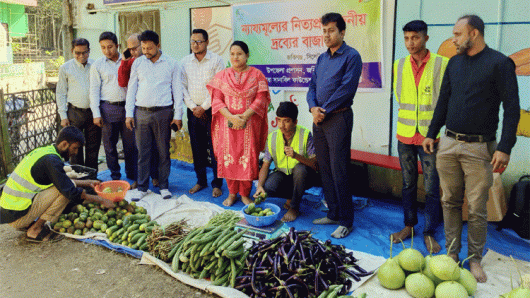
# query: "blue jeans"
[[408, 158]]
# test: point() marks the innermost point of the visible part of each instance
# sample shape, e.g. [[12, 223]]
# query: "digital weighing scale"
[[261, 233]]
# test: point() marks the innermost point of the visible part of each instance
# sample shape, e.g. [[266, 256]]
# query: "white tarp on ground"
[[168, 211], [197, 214], [498, 267], [366, 261]]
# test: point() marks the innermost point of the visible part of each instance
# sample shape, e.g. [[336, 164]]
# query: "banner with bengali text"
[[285, 39]]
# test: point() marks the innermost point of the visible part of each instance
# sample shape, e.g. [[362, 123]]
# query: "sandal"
[[46, 235]]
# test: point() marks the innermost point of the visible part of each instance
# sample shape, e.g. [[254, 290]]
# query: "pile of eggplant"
[[298, 265]]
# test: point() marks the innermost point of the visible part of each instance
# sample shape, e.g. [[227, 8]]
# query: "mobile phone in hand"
[[127, 54], [174, 127]]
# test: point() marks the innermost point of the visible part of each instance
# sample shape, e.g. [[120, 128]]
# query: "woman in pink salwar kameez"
[[240, 99]]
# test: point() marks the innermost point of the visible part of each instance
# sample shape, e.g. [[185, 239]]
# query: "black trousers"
[[202, 148], [293, 186], [153, 127], [332, 141], [83, 119]]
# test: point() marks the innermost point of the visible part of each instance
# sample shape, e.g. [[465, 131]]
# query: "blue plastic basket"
[[261, 221]]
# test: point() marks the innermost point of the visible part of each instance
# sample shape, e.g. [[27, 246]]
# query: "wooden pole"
[[68, 30], [5, 148]]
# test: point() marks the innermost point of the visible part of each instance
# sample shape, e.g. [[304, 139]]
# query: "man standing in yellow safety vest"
[[291, 149], [38, 190], [417, 81]]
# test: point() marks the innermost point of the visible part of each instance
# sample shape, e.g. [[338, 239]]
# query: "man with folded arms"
[[154, 82]]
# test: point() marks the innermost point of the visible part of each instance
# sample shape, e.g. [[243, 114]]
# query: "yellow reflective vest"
[[21, 188], [276, 143], [417, 104]]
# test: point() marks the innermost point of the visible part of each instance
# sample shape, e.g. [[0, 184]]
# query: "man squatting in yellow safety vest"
[[38, 190], [291, 149], [417, 81]]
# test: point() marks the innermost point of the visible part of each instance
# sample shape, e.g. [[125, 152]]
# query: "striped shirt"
[[195, 75], [73, 86], [154, 85], [104, 83]]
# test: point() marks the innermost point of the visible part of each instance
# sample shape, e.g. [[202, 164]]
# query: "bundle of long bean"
[[162, 239], [298, 265], [227, 218]]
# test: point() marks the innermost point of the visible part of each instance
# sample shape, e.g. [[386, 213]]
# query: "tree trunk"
[[68, 30]]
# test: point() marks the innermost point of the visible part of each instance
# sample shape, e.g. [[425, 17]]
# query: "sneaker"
[[341, 232], [138, 195], [165, 194]]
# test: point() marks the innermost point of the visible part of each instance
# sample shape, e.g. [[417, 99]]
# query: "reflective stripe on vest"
[[276, 143], [21, 188], [417, 104]]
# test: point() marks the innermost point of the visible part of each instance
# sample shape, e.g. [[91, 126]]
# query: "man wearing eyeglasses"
[[73, 102], [133, 51], [198, 68]]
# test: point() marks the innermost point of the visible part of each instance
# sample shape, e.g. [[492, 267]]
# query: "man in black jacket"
[[475, 83]]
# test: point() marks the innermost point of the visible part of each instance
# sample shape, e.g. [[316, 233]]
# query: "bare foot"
[[196, 188], [477, 271], [291, 215], [246, 200], [287, 205], [217, 192], [402, 235], [232, 198], [455, 257], [431, 244]]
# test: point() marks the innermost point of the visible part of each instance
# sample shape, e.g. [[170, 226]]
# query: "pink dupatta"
[[237, 151]]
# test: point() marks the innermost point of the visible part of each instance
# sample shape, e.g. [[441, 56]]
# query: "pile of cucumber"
[[132, 231], [214, 252]]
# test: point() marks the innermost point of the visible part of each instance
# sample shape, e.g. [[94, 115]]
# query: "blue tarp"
[[374, 220]]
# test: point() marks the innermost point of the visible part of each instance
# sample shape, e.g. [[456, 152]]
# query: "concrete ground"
[[71, 268]]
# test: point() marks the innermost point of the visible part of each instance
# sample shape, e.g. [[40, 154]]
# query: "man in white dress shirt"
[[73, 102], [198, 69], [107, 101], [150, 109]]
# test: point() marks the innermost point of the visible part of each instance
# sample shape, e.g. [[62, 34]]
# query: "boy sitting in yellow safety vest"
[[38, 190], [291, 149]]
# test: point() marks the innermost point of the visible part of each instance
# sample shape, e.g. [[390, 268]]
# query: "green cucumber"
[[236, 245], [233, 253], [173, 251], [132, 233], [142, 239], [220, 281], [133, 227], [136, 237]]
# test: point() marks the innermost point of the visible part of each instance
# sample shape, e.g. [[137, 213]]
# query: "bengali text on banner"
[[285, 39]]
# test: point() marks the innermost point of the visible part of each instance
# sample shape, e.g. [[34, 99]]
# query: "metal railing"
[[28, 120]]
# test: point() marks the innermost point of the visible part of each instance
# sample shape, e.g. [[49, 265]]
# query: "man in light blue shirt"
[[151, 110], [73, 102], [107, 101]]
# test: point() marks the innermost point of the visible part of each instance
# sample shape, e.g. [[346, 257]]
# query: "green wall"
[[15, 16]]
